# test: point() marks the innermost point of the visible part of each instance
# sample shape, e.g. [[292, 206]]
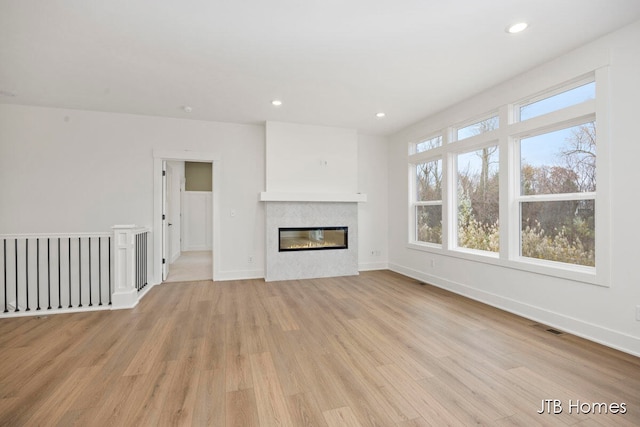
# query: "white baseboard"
[[610, 338], [196, 248], [371, 266], [220, 276], [44, 313]]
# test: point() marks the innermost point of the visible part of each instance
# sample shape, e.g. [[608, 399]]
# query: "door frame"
[[188, 156]]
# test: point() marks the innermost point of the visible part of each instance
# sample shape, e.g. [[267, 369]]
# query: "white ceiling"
[[332, 62]]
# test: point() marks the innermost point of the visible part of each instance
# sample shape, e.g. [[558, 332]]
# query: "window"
[[478, 199], [427, 144], [478, 128], [556, 102], [557, 195], [428, 202], [514, 191]]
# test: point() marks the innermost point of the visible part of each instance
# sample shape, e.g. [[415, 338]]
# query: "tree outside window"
[[561, 163], [478, 200], [429, 202]]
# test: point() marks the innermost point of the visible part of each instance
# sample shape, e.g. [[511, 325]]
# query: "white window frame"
[[420, 158], [413, 147], [476, 120], [508, 134], [454, 209], [558, 89]]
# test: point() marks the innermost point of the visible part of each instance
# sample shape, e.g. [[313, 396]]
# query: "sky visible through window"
[[556, 151], [540, 150], [559, 101], [429, 144], [471, 163], [545, 149], [474, 129]]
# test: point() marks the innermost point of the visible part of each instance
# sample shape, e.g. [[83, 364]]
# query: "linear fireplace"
[[306, 216], [312, 238]]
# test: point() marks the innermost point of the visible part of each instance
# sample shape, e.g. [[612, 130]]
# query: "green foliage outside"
[[474, 234], [429, 234], [561, 231], [557, 246]]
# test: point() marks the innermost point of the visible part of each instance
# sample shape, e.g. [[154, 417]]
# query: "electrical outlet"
[[638, 313], [250, 260]]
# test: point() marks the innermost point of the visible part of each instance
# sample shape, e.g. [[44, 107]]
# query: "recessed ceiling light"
[[187, 109], [516, 28], [380, 115], [276, 103]]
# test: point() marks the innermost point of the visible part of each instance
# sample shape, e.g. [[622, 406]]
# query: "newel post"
[[125, 294]]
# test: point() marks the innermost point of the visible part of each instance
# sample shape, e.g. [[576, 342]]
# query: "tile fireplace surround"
[[310, 264]]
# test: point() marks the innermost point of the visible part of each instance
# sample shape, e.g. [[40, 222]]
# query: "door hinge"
[[163, 217], [164, 260], [164, 173]]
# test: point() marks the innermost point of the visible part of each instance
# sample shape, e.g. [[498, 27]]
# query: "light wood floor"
[[373, 350]]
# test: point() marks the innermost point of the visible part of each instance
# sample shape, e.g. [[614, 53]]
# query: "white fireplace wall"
[[311, 159], [310, 264]]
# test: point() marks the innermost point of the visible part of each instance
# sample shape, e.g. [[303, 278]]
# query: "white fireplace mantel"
[[273, 196]]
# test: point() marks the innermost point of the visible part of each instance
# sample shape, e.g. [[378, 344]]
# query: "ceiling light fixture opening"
[[187, 109], [516, 28], [276, 103], [380, 115]]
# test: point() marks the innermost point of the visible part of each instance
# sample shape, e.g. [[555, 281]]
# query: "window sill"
[[574, 273]]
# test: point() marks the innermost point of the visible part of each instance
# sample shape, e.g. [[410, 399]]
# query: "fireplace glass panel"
[[313, 238]]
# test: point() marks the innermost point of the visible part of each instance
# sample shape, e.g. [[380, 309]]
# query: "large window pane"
[[556, 102], [562, 231], [429, 224], [478, 199], [429, 181], [478, 128], [558, 162]]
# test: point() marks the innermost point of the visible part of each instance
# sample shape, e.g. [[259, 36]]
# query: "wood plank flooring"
[[373, 350]]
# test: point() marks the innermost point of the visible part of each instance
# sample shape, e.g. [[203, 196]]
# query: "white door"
[[165, 224], [175, 174]]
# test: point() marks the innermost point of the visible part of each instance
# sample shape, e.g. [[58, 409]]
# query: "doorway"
[[162, 233], [189, 193], [191, 266]]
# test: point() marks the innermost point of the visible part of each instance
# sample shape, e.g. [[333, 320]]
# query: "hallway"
[[191, 266]]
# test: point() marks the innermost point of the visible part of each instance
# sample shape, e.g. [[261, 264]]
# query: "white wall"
[[373, 176], [197, 220], [604, 314], [76, 171], [311, 159], [79, 171]]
